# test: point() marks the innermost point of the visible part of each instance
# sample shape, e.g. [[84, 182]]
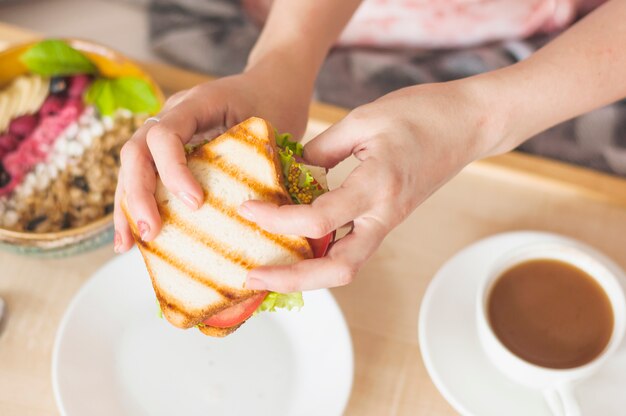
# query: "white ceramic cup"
[[556, 384]]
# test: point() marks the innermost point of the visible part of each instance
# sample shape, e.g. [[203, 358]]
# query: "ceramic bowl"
[[111, 64]]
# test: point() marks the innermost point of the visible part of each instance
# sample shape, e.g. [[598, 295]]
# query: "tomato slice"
[[236, 313], [243, 310], [320, 245]]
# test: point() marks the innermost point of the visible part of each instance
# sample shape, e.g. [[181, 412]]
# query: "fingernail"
[[144, 229], [117, 242], [245, 212], [189, 200], [255, 284]]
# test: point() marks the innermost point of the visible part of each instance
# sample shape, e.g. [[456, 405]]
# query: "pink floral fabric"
[[448, 23], [216, 37]]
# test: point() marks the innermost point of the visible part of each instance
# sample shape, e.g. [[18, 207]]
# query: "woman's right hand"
[[209, 108], [407, 143]]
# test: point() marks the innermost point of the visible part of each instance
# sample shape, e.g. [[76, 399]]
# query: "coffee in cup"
[[550, 314]]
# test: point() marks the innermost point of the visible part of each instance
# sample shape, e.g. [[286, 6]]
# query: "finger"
[[174, 100], [165, 141], [334, 144], [197, 110], [327, 213], [338, 268], [139, 176], [139, 182], [123, 239]]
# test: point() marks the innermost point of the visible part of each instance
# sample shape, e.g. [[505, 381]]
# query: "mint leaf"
[[101, 95], [131, 93], [135, 94], [54, 57]]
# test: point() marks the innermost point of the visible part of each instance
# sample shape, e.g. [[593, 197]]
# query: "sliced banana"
[[24, 88], [4, 111], [44, 90], [24, 95]]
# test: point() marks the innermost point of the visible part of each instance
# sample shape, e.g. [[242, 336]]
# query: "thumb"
[[333, 145]]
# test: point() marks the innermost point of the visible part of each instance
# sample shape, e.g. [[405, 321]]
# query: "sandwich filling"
[[303, 182]]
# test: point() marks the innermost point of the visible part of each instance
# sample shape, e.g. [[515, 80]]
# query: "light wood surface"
[[511, 192]]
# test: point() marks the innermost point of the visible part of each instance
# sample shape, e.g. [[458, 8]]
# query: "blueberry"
[[67, 221], [32, 224], [5, 177], [81, 183], [58, 85]]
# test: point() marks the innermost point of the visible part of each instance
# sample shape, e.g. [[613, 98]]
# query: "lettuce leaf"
[[275, 300], [159, 310], [306, 178], [286, 160], [299, 181], [283, 140], [189, 148], [288, 150]]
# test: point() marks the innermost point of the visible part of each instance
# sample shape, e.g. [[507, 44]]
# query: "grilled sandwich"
[[199, 261]]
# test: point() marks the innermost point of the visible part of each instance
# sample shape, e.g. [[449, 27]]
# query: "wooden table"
[[510, 192]]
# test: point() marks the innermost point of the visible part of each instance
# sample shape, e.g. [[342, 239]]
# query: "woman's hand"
[[211, 108], [409, 143]]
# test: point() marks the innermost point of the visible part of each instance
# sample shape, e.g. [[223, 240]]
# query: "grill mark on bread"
[[169, 306], [233, 256], [243, 135], [275, 195], [263, 148], [157, 291], [172, 305], [163, 299], [301, 250], [202, 278], [188, 319]]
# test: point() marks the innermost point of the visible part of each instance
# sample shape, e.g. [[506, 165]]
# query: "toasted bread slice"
[[199, 261], [218, 332]]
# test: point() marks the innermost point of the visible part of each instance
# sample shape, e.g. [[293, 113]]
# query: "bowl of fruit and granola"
[[66, 108]]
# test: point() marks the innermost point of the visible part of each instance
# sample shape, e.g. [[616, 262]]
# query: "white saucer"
[[454, 357], [114, 356]]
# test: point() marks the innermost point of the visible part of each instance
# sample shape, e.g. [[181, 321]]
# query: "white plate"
[[113, 356], [454, 357]]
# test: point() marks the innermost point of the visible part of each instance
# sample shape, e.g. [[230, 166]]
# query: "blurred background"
[[215, 36], [121, 24]]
